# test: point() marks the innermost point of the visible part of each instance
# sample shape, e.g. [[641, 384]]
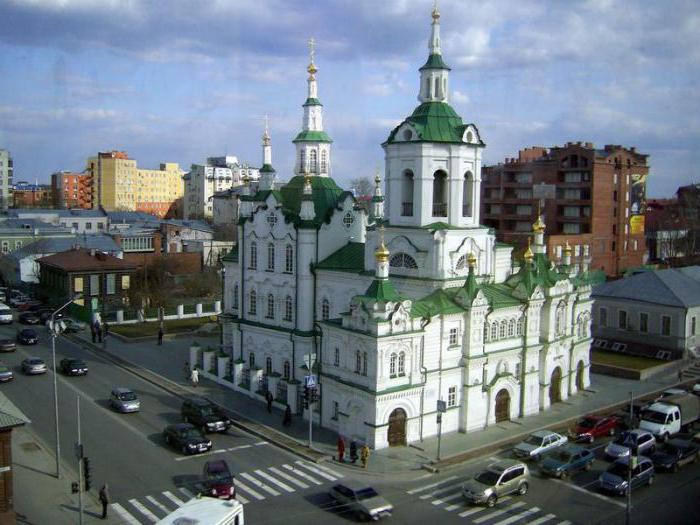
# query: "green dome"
[[434, 122]]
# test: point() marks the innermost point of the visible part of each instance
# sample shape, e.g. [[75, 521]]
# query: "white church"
[[408, 309]]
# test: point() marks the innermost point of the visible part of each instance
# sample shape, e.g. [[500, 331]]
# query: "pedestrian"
[[353, 451], [341, 449], [104, 499], [680, 375], [287, 419], [194, 376], [364, 455], [98, 329], [269, 398], [93, 332], [160, 336]]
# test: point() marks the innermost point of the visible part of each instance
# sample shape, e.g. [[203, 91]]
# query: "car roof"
[[198, 401], [637, 432], [122, 390], [572, 448], [34, 359], [217, 465], [181, 426], [354, 485], [625, 460], [504, 464], [542, 433]]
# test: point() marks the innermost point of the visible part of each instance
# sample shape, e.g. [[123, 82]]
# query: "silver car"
[[498, 480], [362, 500], [620, 447], [538, 443], [124, 400], [33, 366]]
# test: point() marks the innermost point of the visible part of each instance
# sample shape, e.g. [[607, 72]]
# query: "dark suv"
[[204, 415]]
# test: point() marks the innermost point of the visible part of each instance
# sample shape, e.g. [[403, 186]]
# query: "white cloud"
[[460, 97]]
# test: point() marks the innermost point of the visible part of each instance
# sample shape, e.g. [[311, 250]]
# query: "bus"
[[206, 511]]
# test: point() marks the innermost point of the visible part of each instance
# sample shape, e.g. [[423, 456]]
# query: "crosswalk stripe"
[[330, 471], [440, 490], [565, 522], [495, 513], [541, 520], [143, 510], [172, 497], [289, 478], [525, 514], [426, 487], [186, 492], [445, 499], [158, 504], [302, 474], [240, 498], [269, 478], [474, 510], [316, 471], [259, 484], [125, 514], [247, 489]]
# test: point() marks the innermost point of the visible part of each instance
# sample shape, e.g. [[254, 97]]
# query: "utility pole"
[[80, 471], [630, 466], [441, 409]]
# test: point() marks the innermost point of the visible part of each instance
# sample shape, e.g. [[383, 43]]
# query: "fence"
[[133, 315]]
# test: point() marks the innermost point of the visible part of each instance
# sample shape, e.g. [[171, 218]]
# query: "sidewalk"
[[166, 363]]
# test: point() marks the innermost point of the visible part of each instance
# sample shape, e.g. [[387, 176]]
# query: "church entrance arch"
[[397, 428], [502, 406], [555, 386], [579, 376]]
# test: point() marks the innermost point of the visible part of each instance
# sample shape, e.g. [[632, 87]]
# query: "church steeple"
[[267, 172], [378, 199], [435, 73], [312, 142]]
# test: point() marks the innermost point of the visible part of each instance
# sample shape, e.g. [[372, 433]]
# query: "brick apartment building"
[[25, 195], [71, 190], [593, 199]]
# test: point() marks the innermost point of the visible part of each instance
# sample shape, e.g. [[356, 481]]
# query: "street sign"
[[310, 381], [441, 406]]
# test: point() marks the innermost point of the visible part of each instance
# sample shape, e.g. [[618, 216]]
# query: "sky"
[[183, 80]]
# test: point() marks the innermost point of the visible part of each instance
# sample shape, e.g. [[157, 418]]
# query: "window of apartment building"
[[635, 245], [622, 319], [603, 316], [615, 195], [94, 285], [289, 259], [253, 256], [268, 365], [88, 226], [77, 284], [614, 246], [453, 336], [624, 246], [251, 360], [235, 297], [571, 211], [627, 229], [126, 282], [288, 308], [627, 196], [5, 247], [271, 257], [627, 213], [523, 210], [253, 307], [614, 229], [287, 369], [111, 283], [692, 325], [334, 416], [452, 396], [614, 178], [665, 325], [18, 245], [336, 357], [270, 306], [571, 227], [643, 322]]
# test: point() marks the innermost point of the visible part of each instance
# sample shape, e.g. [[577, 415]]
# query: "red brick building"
[[594, 199], [26, 195], [7, 511], [72, 190]]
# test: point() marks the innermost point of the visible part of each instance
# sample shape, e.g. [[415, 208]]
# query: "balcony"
[[407, 209], [439, 209]]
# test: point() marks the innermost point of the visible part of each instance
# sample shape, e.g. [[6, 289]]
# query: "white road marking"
[[525, 514], [302, 474], [428, 475], [590, 493], [426, 487], [239, 447], [172, 497], [499, 512], [143, 510], [261, 443], [246, 488], [541, 520], [195, 456], [269, 478], [445, 499], [289, 478], [316, 471], [330, 471], [186, 492], [447, 488], [565, 522], [474, 510], [259, 484], [125, 514], [454, 506], [158, 504], [240, 498]]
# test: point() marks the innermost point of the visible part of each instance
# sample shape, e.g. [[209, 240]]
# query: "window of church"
[[452, 396], [286, 370], [364, 363], [253, 256], [402, 364], [407, 134], [467, 193], [324, 161], [358, 362], [272, 219], [407, 194], [313, 158], [470, 136], [235, 297], [288, 309], [336, 359], [403, 260], [453, 336], [603, 316], [461, 263], [302, 160], [325, 310], [251, 360], [271, 257], [392, 365], [494, 331], [253, 306], [519, 327], [268, 365], [560, 321], [348, 220], [270, 306], [289, 259], [440, 194], [518, 369], [511, 328], [335, 411], [503, 329]]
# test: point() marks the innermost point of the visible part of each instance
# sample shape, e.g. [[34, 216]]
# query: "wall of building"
[[6, 176]]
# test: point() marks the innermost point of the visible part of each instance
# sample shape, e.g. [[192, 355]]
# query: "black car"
[[186, 438], [204, 415], [674, 454], [73, 367], [28, 318], [27, 337]]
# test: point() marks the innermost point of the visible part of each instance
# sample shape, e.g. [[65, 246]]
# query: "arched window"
[[494, 331], [271, 257], [437, 87], [511, 328], [253, 256], [358, 362], [288, 309], [402, 363], [289, 259], [503, 329], [440, 194], [270, 306], [560, 321], [519, 328], [324, 161], [403, 260], [251, 360], [407, 194], [467, 194], [253, 306], [302, 160], [486, 331], [286, 370], [427, 87], [364, 363], [392, 365], [268, 365], [313, 158], [325, 310], [235, 296], [461, 263]]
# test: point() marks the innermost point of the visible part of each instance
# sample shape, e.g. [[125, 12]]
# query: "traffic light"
[[313, 396], [306, 397], [74, 487], [86, 473]]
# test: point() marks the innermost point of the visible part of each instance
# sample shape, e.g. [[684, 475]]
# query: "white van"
[[5, 314], [206, 511]]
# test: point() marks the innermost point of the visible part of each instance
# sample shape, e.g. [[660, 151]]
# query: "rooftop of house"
[[62, 212], [101, 242], [83, 260], [677, 287]]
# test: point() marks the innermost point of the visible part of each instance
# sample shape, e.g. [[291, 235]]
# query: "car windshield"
[[564, 457], [670, 448], [654, 416], [534, 440], [77, 363], [190, 433], [36, 362], [367, 493], [587, 423], [487, 477], [625, 439], [221, 475], [618, 469], [208, 411], [127, 396]]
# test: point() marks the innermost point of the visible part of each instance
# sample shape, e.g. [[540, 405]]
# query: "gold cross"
[[312, 46]]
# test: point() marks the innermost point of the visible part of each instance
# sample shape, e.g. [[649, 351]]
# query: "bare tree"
[[362, 186]]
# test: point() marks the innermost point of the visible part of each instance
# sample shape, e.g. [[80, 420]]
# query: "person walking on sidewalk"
[[287, 419], [160, 336], [93, 332], [104, 499], [680, 375], [194, 376], [341, 449], [353, 451], [364, 455], [269, 399]]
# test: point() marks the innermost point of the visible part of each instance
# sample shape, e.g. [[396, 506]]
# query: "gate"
[[502, 406], [397, 428], [555, 386]]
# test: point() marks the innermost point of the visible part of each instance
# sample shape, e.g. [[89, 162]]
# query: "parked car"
[[46, 313], [5, 374], [690, 437], [28, 318], [204, 415], [674, 454], [591, 427], [73, 367], [362, 500], [186, 438], [498, 480], [5, 314], [124, 400], [614, 480], [671, 415], [27, 336], [218, 480], [538, 443], [18, 299], [620, 447], [73, 326], [564, 461], [33, 366], [26, 305], [7, 345]]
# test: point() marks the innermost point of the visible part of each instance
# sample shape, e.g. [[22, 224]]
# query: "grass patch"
[[151, 328], [623, 360]]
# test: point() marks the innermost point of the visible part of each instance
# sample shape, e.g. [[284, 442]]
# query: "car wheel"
[[522, 489], [536, 457], [588, 466], [491, 502], [184, 450], [563, 474], [651, 480]]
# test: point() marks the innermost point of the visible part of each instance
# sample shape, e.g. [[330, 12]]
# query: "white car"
[[538, 443]]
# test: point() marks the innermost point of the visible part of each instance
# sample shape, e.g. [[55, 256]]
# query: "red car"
[[218, 481], [591, 427]]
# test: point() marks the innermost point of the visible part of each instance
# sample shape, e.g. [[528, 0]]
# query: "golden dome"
[[471, 260], [567, 249], [312, 69], [528, 255], [381, 253], [539, 225], [436, 14], [377, 178]]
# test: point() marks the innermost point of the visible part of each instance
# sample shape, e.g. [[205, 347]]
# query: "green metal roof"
[[350, 258], [381, 290], [434, 122], [312, 102], [438, 302], [435, 62], [312, 136], [539, 272], [499, 296], [326, 196], [267, 168]]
